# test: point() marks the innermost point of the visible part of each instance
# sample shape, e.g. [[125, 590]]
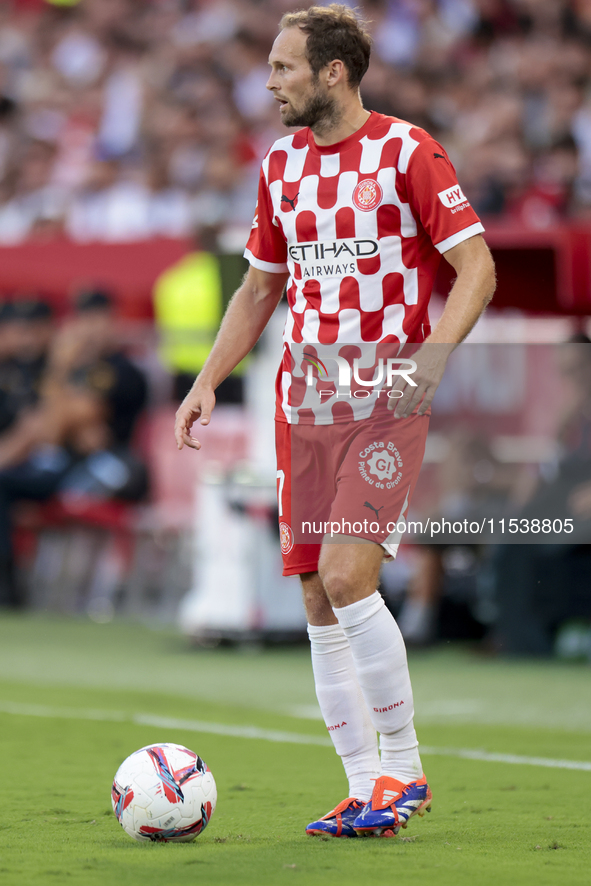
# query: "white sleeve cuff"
[[459, 237], [261, 265]]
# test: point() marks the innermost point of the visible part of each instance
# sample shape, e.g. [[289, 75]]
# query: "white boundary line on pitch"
[[35, 710]]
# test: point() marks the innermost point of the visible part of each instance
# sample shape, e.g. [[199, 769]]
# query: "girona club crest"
[[286, 538], [368, 195]]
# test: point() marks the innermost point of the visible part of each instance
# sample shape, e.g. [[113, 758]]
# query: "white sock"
[[380, 661], [343, 708]]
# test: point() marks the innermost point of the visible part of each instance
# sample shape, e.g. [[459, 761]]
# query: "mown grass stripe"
[[234, 731], [141, 719], [514, 759]]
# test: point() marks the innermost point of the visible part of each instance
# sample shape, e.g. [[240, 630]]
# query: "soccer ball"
[[164, 793]]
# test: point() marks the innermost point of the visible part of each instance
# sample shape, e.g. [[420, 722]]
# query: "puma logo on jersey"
[[292, 203], [439, 156], [452, 197]]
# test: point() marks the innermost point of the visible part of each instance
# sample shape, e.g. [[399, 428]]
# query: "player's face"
[[303, 100]]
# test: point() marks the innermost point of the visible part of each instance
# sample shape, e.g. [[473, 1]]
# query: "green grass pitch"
[[73, 696]]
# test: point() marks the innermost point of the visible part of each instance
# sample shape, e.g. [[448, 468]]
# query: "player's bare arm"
[[469, 296], [248, 313]]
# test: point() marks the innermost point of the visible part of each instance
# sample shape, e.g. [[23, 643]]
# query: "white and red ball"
[[163, 793]]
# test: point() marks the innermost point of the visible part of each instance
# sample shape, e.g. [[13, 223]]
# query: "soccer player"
[[354, 211]]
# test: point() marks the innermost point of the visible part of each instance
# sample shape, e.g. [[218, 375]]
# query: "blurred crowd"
[[529, 593], [125, 119], [70, 399]]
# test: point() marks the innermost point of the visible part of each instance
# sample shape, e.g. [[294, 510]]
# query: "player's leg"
[[349, 572], [350, 575], [339, 695], [343, 708]]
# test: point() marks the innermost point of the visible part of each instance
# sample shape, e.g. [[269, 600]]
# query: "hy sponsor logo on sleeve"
[[454, 198]]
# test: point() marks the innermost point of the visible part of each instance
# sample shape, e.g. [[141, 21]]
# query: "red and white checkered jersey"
[[360, 226]]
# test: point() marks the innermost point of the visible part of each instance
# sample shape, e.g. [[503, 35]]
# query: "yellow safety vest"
[[188, 309]]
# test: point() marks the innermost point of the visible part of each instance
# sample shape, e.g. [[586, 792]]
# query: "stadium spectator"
[[473, 485], [539, 586], [26, 330], [77, 439]]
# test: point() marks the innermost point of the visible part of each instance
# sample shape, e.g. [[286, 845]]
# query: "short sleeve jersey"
[[360, 226]]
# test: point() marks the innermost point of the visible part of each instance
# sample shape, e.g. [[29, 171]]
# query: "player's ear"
[[336, 72]]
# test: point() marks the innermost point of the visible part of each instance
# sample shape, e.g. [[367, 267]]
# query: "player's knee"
[[339, 586]]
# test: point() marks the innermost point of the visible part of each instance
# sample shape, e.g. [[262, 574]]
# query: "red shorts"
[[349, 478]]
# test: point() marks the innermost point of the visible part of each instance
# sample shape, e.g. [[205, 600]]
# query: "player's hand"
[[198, 404], [431, 360]]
